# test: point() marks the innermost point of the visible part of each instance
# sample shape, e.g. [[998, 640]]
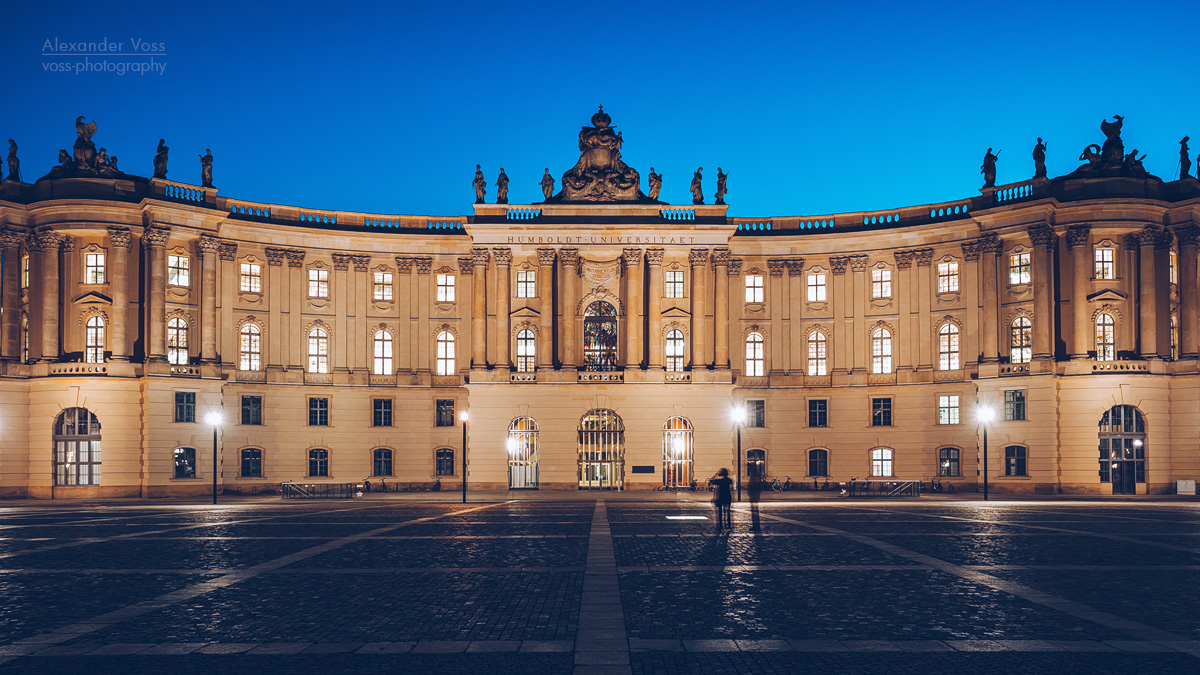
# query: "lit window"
[[948, 277], [675, 345], [25, 271], [94, 336], [754, 354], [948, 464], [318, 462], [1014, 405], [881, 283], [1014, 461], [445, 288], [947, 410], [754, 288], [816, 288], [1106, 341], [445, 353], [1104, 264], [177, 341], [526, 350], [1020, 340], [881, 351], [526, 284], [881, 463], [250, 348], [383, 285], [93, 268], [24, 340], [1174, 328], [185, 462], [948, 347], [1174, 268], [318, 350], [318, 283], [674, 279], [251, 278], [1018, 269], [816, 353], [178, 273], [756, 414], [383, 352]]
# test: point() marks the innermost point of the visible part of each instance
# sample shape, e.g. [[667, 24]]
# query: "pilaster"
[[209, 247], [503, 257], [1079, 243], [721, 308], [545, 291], [632, 258], [654, 257], [154, 240]]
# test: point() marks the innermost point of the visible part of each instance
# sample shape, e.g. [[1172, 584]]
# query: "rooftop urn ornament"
[[1185, 162], [547, 185], [1039, 159], [721, 190], [160, 159], [697, 187], [14, 164], [480, 185], [989, 168], [655, 180], [600, 175], [502, 187], [206, 161]]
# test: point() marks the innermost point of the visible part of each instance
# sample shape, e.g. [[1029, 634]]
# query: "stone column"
[[1189, 285], [44, 245], [503, 256], [841, 327], [989, 250], [721, 310], [1044, 240], [1079, 242], [361, 344], [972, 293], [341, 299], [568, 283], [904, 357], [228, 287], [796, 349], [479, 260], [545, 291], [857, 300], [154, 240], [775, 298], [121, 240], [654, 256], [298, 293], [927, 356], [698, 258], [422, 302], [406, 317], [1152, 239], [11, 313], [633, 307], [275, 339], [209, 247]]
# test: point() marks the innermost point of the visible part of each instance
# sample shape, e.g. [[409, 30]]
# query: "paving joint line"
[[601, 642]]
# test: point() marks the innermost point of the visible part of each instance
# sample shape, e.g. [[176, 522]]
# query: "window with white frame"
[[179, 270], [754, 288], [948, 277], [1018, 269], [250, 348], [526, 284], [445, 353], [1106, 337], [1105, 265], [445, 288], [25, 271], [948, 409], [383, 286], [948, 347], [881, 350], [94, 340], [318, 282], [526, 351], [817, 346], [675, 348], [881, 283], [250, 278], [93, 268], [177, 341], [674, 281], [1174, 267], [1020, 340], [383, 352], [318, 350], [881, 463], [754, 355], [816, 287]]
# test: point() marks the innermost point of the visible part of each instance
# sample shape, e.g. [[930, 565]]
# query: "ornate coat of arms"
[[600, 175]]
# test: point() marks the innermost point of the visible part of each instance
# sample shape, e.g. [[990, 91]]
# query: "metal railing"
[[884, 488], [318, 490]]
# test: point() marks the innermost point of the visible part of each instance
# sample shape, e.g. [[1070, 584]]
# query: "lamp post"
[[738, 413], [985, 414], [463, 416], [214, 420]]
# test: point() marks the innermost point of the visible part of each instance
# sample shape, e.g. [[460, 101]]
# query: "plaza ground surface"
[[600, 584]]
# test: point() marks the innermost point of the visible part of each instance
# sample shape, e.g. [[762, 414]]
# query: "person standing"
[[723, 498]]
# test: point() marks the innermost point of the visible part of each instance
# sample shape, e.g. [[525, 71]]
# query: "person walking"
[[723, 498]]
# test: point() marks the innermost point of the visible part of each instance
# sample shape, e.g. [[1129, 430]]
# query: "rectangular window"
[[881, 283], [178, 270], [381, 415], [251, 278], [1014, 461], [818, 413], [185, 462], [445, 412], [93, 268], [948, 462], [444, 462], [252, 410], [754, 288], [1018, 269], [526, 284], [383, 285], [318, 412], [1014, 405], [948, 277], [25, 271], [1174, 268], [185, 406], [251, 463], [1104, 264], [445, 288], [756, 414], [318, 283], [816, 288], [947, 410], [674, 280], [881, 412]]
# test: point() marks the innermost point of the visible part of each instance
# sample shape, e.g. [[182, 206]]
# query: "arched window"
[[76, 448], [526, 351], [318, 462], [24, 340], [1123, 448], [1015, 461], [443, 459], [1174, 336], [881, 350], [383, 356], [185, 462], [754, 355], [177, 342], [948, 347], [1106, 339], [318, 350], [522, 453], [756, 463], [675, 344], [948, 464], [445, 353], [251, 463], [381, 462], [677, 452], [818, 462], [250, 348], [816, 353], [1020, 340], [94, 336], [601, 450], [881, 463], [600, 337]]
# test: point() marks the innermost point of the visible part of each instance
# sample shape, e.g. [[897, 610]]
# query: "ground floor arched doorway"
[[1123, 449], [523, 454], [601, 451]]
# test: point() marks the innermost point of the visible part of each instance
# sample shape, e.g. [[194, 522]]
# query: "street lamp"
[[738, 415], [985, 416], [463, 416], [213, 419]]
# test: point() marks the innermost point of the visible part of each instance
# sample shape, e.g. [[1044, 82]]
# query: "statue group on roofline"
[[1110, 159], [85, 161]]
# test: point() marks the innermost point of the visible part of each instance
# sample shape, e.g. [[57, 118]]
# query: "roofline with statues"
[[600, 190]]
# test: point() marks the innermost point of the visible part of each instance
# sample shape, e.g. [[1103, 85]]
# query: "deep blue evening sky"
[[813, 109]]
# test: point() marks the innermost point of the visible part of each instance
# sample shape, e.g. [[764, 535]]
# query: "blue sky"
[[811, 108]]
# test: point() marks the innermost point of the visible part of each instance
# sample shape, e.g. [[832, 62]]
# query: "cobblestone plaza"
[[620, 584]]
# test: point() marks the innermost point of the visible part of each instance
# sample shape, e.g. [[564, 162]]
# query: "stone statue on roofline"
[[502, 187], [655, 180], [14, 164], [160, 159], [1110, 159], [206, 161], [480, 185], [1185, 162], [84, 160], [547, 185], [1039, 159], [989, 168], [698, 187], [721, 190]]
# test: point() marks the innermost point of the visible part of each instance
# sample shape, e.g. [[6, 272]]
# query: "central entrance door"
[[523, 454], [601, 451]]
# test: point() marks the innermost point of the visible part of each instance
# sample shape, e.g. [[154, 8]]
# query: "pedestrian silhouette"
[[722, 498], [755, 488]]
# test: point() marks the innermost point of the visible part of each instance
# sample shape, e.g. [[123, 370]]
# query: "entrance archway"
[[523, 454], [678, 454], [601, 451], [1123, 449], [77, 448]]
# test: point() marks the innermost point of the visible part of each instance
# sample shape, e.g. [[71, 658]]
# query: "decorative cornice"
[[228, 251], [362, 263], [795, 267], [119, 237], [923, 256], [654, 256], [404, 264], [838, 264], [295, 257], [546, 256], [1187, 234], [859, 262], [903, 259], [503, 256], [275, 256], [208, 245], [155, 237], [735, 267], [466, 266], [341, 261], [424, 264], [480, 255], [569, 257], [698, 257], [1042, 234]]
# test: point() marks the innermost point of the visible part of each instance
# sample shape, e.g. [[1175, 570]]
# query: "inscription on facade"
[[602, 239]]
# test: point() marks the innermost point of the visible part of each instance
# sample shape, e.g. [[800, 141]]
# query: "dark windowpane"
[[445, 412], [445, 462], [1014, 460], [252, 410], [818, 413], [758, 413], [383, 461], [318, 413], [818, 462], [382, 415], [251, 463], [1014, 405], [318, 462], [881, 412], [185, 406]]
